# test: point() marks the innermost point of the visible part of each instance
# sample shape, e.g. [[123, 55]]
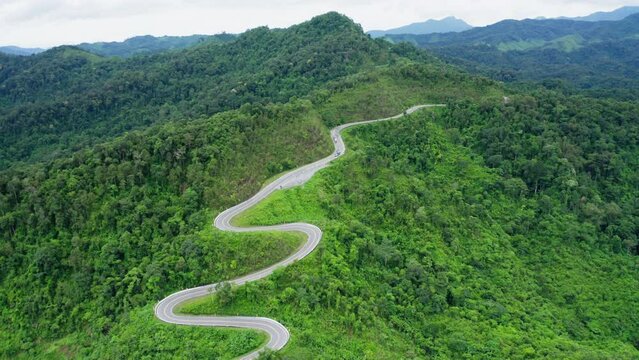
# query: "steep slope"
[[150, 44], [486, 230], [104, 234], [491, 229], [67, 99]]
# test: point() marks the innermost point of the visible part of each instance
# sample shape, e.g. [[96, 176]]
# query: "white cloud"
[[53, 22]]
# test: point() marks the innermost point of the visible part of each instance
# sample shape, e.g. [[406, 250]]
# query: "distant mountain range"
[[614, 15], [150, 44], [16, 50], [449, 24], [452, 24], [583, 53], [133, 46], [509, 35]]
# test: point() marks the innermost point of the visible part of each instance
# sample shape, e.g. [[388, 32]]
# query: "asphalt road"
[[278, 334]]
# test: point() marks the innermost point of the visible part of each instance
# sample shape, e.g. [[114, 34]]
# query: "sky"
[[46, 23]]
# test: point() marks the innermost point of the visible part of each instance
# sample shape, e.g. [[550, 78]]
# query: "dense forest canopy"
[[432, 250], [66, 98], [505, 225]]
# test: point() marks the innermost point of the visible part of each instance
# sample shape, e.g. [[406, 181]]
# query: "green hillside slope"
[[494, 228], [68, 99], [436, 247], [104, 234]]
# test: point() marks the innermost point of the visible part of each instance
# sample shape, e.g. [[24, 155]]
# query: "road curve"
[[278, 334]]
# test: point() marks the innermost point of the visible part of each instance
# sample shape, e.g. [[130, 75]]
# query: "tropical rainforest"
[[503, 225]]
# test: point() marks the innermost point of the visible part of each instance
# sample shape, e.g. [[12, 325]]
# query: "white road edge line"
[[278, 334]]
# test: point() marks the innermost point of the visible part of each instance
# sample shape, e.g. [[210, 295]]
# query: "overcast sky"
[[45, 23]]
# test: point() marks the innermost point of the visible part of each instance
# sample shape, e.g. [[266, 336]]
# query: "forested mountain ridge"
[[66, 98], [64, 221], [508, 31], [493, 228], [137, 45], [104, 234]]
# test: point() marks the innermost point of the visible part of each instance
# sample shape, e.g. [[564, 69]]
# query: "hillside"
[[492, 228], [89, 232], [127, 222], [600, 57], [66, 99], [450, 235], [150, 44]]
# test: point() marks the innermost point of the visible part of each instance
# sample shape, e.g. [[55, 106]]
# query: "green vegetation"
[[67, 99], [431, 249], [140, 335], [492, 228], [91, 238], [390, 90], [18, 51], [115, 228]]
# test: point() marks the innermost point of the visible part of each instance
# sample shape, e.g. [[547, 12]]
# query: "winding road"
[[278, 334]]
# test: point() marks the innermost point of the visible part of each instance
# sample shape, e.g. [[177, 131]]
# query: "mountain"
[[527, 34], [503, 225], [133, 46], [150, 44], [598, 56], [66, 97], [449, 24], [614, 15], [15, 50]]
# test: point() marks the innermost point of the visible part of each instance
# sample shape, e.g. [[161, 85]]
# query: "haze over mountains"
[[147, 44], [20, 51], [448, 24], [614, 15], [136, 45], [582, 53], [150, 44]]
